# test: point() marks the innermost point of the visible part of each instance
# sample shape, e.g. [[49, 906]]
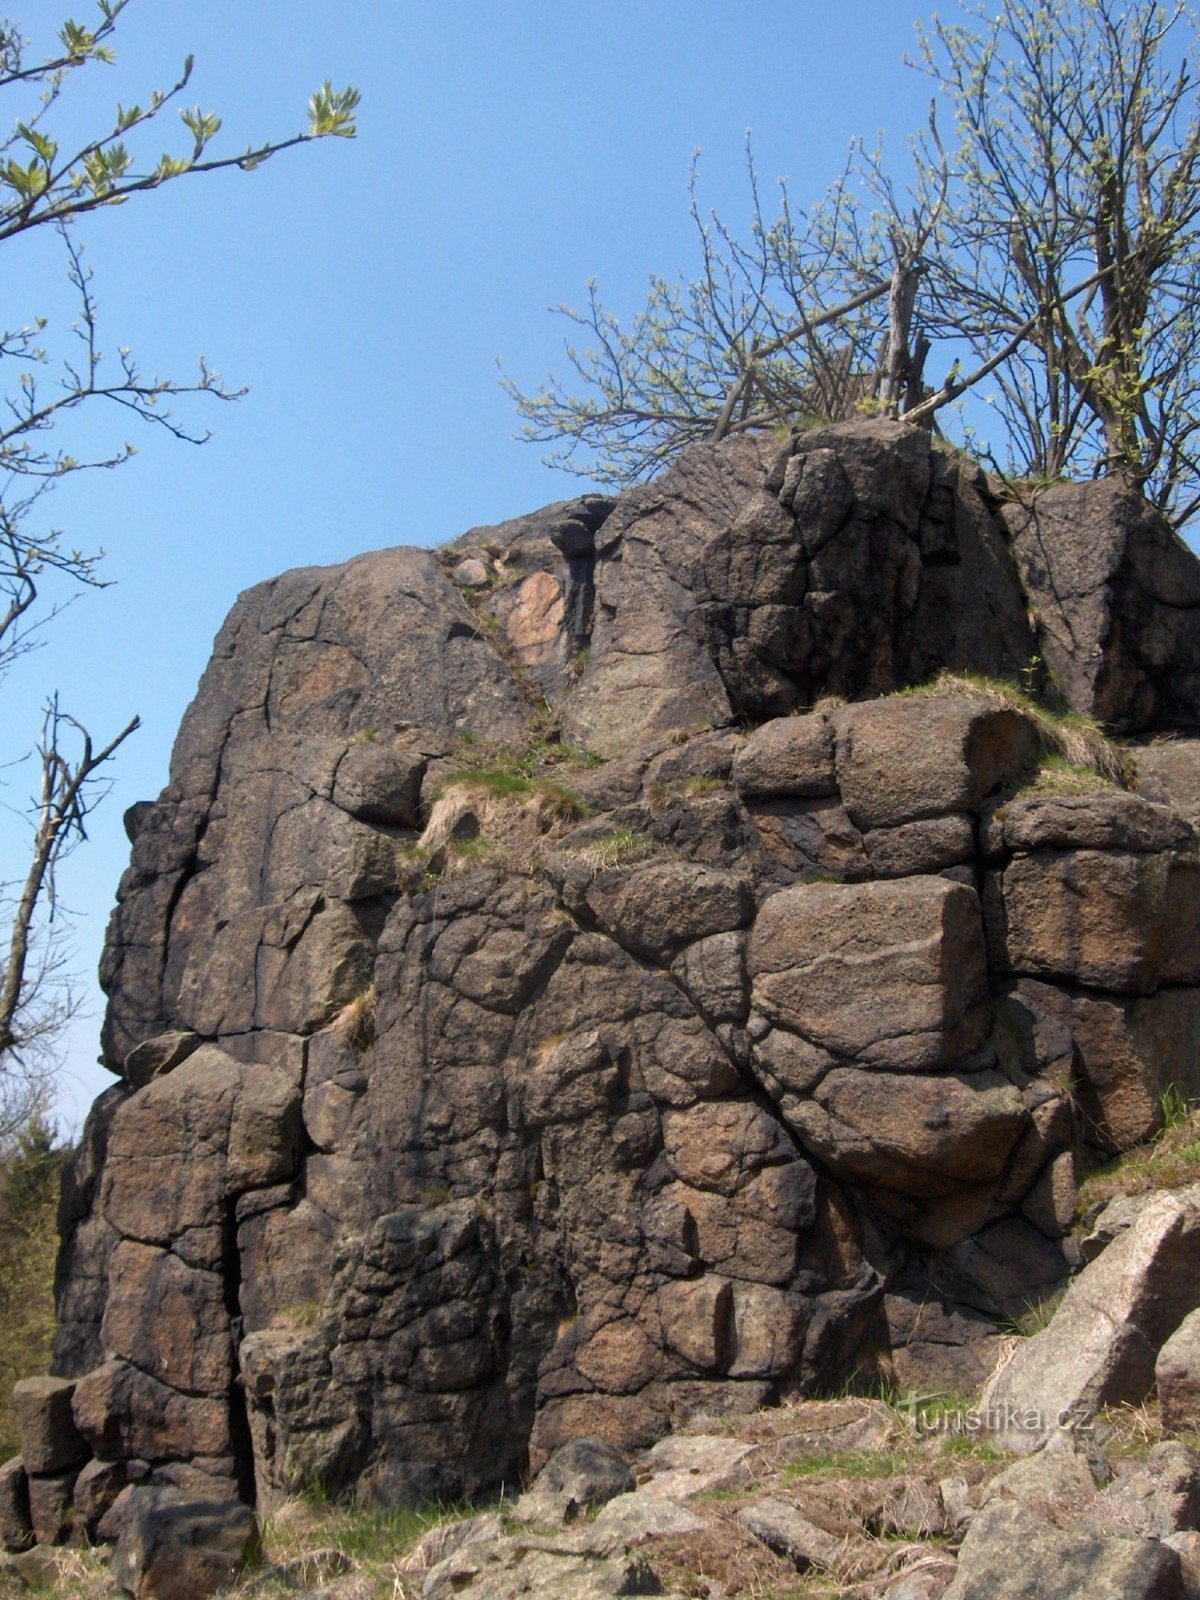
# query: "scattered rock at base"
[[516, 1569], [582, 1474], [50, 1441], [783, 1529], [1012, 1553], [16, 1530], [1159, 1496], [1100, 1348], [1177, 1377], [173, 1548]]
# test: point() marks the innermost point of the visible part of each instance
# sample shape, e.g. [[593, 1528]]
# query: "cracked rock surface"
[[459, 1118]]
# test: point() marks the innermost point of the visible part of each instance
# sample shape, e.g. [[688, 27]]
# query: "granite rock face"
[[460, 1118], [1116, 595]]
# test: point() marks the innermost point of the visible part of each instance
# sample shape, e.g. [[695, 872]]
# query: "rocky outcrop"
[[1116, 596], [478, 1094]]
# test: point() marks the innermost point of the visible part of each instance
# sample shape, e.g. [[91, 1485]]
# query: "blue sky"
[[363, 290]]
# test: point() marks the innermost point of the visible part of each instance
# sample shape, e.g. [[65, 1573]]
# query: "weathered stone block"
[[1100, 1349], [1106, 819], [926, 756], [1099, 563], [169, 1318], [1120, 1053], [124, 1413], [50, 1440], [1011, 1552], [16, 1530], [380, 784], [175, 1548], [787, 756], [155, 1056], [659, 907], [916, 1134], [883, 974], [1114, 921], [914, 848], [51, 1505]]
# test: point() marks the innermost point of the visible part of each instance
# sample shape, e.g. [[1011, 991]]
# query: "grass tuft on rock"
[[1078, 741], [355, 1022], [1171, 1160], [621, 848]]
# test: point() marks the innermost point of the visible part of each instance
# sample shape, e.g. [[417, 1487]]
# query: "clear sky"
[[363, 290]]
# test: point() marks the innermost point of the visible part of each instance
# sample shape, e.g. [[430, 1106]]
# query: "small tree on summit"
[[1055, 250], [44, 184], [1076, 215]]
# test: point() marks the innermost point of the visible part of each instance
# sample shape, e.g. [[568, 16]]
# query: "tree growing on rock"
[[1075, 223], [809, 315], [46, 183], [1055, 251]]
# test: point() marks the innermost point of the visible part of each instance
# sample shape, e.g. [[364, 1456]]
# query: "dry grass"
[[1128, 1432], [727, 1555], [355, 1022], [1056, 776], [621, 848], [486, 814], [1171, 1160], [1078, 741], [66, 1574], [298, 1314]]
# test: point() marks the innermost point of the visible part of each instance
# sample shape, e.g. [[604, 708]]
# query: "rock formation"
[[476, 1094]]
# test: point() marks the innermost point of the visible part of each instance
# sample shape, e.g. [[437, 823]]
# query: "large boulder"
[[1177, 1377], [889, 975], [1101, 1346], [173, 1548], [1012, 1553], [50, 1440]]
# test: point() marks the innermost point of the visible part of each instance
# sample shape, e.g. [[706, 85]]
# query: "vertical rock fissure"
[[239, 1416]]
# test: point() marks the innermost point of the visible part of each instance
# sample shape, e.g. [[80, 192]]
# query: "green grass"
[[1036, 1317], [619, 848], [851, 1464], [30, 1171], [1056, 775], [929, 1411], [524, 772], [481, 848], [499, 781], [1171, 1160], [531, 759], [1175, 1107], [373, 1540], [969, 1447]]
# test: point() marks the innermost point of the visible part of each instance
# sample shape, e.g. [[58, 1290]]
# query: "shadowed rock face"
[[748, 1078], [1117, 597]]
